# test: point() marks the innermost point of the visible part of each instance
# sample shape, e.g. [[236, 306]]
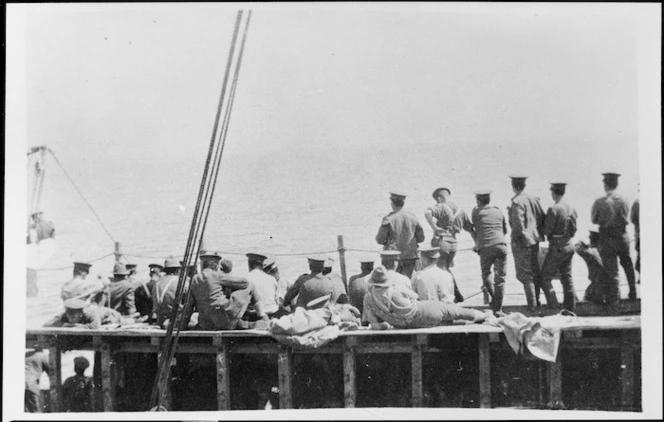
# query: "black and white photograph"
[[317, 210]]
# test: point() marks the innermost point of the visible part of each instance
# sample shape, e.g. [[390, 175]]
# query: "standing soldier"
[[610, 212], [634, 218], [488, 228], [122, 291], [526, 218], [401, 231], [559, 228]]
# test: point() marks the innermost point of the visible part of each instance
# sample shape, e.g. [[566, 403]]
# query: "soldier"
[[132, 277], [559, 228], [144, 290], [163, 296], [36, 362], [634, 218], [610, 212], [488, 228], [526, 218], [401, 231], [122, 291], [358, 284], [80, 313], [390, 260], [81, 288], [270, 268], [220, 298], [314, 285], [432, 282], [265, 284], [327, 270]]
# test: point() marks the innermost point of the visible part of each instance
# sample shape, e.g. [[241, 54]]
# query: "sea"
[[296, 202]]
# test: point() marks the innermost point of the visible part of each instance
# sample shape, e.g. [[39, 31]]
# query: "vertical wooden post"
[[118, 251], [416, 369], [166, 394], [223, 375], [55, 375], [627, 375], [350, 392], [285, 364], [555, 384], [484, 350], [342, 260], [107, 378]]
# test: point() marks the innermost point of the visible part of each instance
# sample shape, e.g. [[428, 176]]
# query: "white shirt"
[[397, 279], [433, 283], [266, 285]]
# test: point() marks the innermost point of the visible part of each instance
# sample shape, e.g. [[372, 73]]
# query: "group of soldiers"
[[529, 226]]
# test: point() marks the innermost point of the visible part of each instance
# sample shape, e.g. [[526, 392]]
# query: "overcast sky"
[[147, 77]]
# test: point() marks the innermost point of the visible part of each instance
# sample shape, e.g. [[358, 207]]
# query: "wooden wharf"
[[619, 334]]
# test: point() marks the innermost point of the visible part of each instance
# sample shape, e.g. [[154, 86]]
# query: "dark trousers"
[[33, 401], [611, 250], [559, 259], [494, 256], [528, 271]]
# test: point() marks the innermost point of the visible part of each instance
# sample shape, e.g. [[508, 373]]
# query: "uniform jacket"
[[610, 212], [401, 231], [163, 297], [122, 295], [312, 286], [560, 221], [526, 217], [433, 283], [488, 226]]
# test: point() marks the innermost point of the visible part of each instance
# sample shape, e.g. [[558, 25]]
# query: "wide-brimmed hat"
[[172, 263], [120, 269], [379, 275], [437, 192]]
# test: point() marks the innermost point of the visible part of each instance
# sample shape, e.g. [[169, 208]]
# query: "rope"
[[81, 194], [71, 266]]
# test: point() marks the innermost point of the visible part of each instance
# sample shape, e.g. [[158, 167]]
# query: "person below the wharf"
[[358, 284], [390, 260], [391, 306], [81, 287], [634, 218], [526, 219], [559, 228], [487, 227], [83, 314], [311, 286], [122, 291], [220, 298], [145, 289], [611, 213], [446, 220], [77, 389], [265, 285], [36, 363], [163, 297], [400, 230], [432, 282]]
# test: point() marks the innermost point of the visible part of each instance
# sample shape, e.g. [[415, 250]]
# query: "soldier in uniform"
[[265, 284], [122, 291], [487, 227], [432, 282], [314, 285], [634, 218], [611, 213], [132, 277], [401, 231], [358, 283], [163, 296], [526, 218], [220, 298], [559, 228], [144, 290], [390, 260], [82, 288], [78, 312], [327, 270]]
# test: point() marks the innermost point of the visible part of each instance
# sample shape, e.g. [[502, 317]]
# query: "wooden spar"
[[117, 252], [342, 260], [413, 342]]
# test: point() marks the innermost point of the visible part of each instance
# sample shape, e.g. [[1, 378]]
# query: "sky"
[[141, 82]]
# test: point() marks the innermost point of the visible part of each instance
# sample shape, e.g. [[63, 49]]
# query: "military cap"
[[482, 192], [256, 257], [131, 266], [611, 175], [437, 192], [367, 261], [316, 260], [153, 266], [519, 176], [120, 269], [390, 254], [82, 266], [81, 362], [211, 255], [319, 302], [430, 252], [558, 186], [75, 303], [172, 263], [329, 262], [397, 195], [379, 275]]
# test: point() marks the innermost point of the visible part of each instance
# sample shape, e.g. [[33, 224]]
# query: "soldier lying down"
[[79, 313]]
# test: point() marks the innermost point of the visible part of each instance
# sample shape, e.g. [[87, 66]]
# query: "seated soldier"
[[122, 291], [220, 298], [163, 298], [358, 284], [79, 313], [314, 285], [80, 287], [387, 306]]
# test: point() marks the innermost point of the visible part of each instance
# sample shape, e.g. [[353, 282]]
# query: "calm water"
[[293, 202]]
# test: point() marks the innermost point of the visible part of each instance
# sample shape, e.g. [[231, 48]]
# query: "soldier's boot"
[[497, 302], [537, 295], [529, 290]]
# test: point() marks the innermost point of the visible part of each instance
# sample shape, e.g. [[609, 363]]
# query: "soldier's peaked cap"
[[172, 263], [84, 266], [482, 192], [518, 176], [211, 255], [367, 261], [558, 185], [316, 260], [390, 254], [437, 192], [152, 266], [431, 252], [256, 257], [611, 175], [130, 266], [397, 195]]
